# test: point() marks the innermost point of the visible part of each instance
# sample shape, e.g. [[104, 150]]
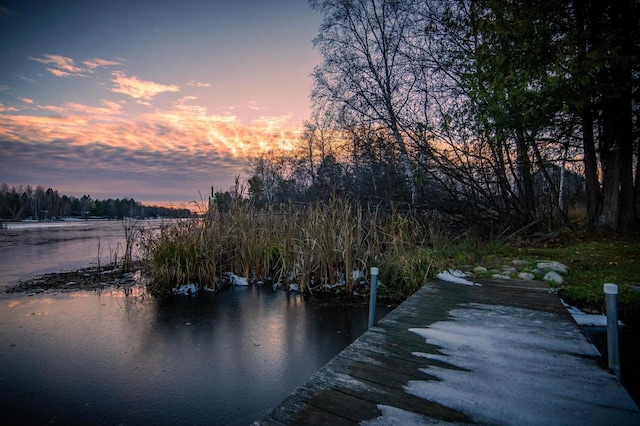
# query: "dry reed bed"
[[317, 247]]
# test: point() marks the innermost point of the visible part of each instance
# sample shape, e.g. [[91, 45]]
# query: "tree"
[[604, 75], [85, 205], [365, 68]]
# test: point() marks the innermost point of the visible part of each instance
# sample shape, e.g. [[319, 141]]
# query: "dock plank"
[[502, 352]]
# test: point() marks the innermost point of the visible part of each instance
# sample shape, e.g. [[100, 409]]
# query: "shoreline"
[[83, 279]]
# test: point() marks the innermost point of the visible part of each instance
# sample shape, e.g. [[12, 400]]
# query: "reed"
[[131, 236], [317, 247]]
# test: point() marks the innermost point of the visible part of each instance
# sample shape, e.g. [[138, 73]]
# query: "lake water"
[[35, 248], [106, 358]]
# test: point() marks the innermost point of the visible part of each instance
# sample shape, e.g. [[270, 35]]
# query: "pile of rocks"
[[547, 270]]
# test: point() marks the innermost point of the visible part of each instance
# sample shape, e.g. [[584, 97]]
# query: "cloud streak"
[[200, 84], [183, 146], [63, 66], [139, 89]]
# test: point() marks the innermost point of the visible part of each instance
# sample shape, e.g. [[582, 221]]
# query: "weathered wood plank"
[[378, 369]]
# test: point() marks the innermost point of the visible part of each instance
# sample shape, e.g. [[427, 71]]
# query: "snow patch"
[[392, 416], [584, 319], [236, 280], [493, 345], [294, 287], [186, 289], [455, 276]]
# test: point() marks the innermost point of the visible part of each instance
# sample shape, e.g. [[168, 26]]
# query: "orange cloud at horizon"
[[184, 127]]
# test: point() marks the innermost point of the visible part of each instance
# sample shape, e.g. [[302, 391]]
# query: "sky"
[[149, 99]]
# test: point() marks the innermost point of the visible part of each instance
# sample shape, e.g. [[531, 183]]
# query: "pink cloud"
[[139, 89], [253, 105], [59, 73], [97, 62], [194, 83], [62, 66], [7, 109]]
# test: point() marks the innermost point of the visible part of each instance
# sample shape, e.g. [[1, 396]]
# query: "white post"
[[373, 295], [611, 291]]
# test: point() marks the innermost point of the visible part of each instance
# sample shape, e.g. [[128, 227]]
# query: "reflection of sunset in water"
[[98, 360]]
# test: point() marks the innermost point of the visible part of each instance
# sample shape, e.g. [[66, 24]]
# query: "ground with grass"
[[593, 259]]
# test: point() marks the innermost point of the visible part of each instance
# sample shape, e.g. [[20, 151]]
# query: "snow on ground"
[[540, 366], [455, 276], [584, 319]]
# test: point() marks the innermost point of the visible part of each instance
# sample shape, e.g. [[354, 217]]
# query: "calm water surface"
[[28, 248], [103, 358]]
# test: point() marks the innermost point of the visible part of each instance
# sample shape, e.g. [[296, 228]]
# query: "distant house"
[[572, 193]]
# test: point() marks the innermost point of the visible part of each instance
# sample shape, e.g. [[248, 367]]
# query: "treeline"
[[37, 203], [499, 113]]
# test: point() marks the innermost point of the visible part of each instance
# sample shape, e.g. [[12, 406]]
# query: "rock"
[[554, 277], [509, 270], [553, 266], [528, 276], [501, 276], [480, 270], [518, 262]]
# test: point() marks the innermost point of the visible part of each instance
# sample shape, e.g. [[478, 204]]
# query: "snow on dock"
[[502, 352]]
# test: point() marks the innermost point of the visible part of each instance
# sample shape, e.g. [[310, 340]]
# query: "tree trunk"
[[590, 168], [618, 209], [404, 156], [525, 178]]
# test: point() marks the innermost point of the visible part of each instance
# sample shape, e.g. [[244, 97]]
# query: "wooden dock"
[[502, 352]]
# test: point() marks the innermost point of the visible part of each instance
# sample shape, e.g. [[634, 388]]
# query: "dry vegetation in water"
[[321, 247]]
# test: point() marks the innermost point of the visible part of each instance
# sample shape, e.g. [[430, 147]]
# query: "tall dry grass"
[[317, 247]]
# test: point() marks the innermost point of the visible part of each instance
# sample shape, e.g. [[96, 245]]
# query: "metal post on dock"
[[611, 291], [373, 295]]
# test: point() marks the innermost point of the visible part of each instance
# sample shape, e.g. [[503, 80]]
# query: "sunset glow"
[[160, 122]]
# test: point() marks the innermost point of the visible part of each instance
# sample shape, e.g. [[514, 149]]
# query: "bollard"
[[373, 295], [611, 291]]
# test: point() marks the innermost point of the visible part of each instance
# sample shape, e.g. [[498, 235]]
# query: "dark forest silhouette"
[[37, 203]]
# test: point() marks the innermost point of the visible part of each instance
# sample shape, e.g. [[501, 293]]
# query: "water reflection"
[[215, 359], [28, 248]]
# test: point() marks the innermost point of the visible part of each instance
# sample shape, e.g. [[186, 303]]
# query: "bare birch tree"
[[365, 68]]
